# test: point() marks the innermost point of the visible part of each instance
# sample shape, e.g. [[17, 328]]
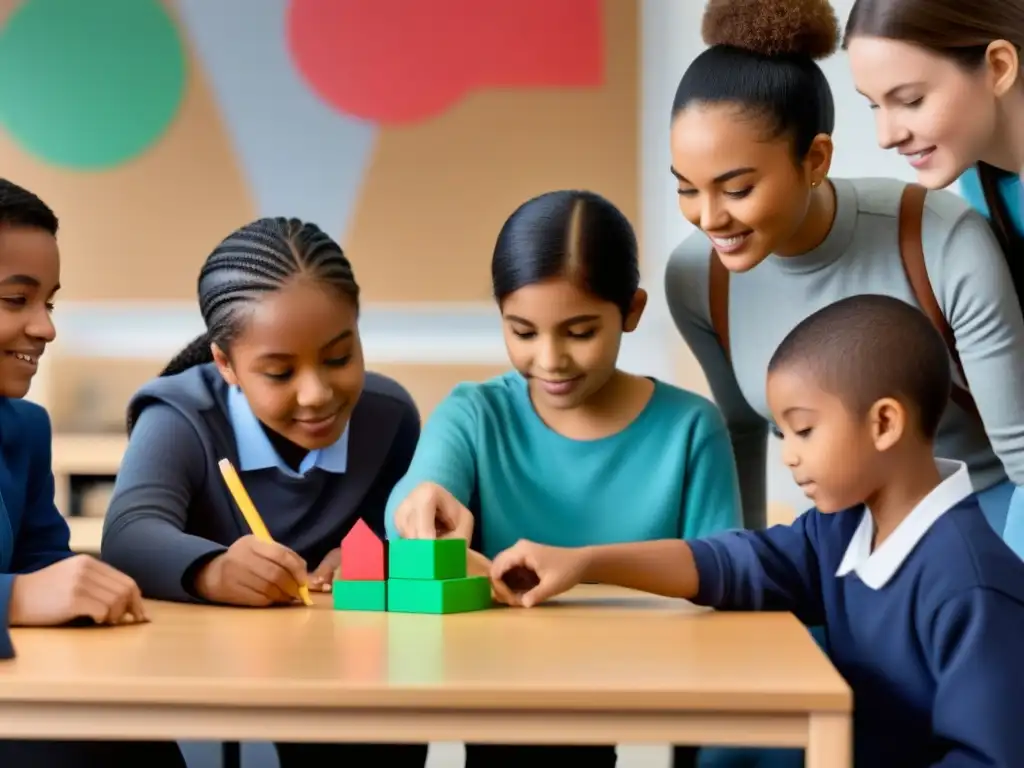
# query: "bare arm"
[[662, 567], [777, 569]]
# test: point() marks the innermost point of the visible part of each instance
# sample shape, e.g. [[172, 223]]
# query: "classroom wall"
[[408, 131], [156, 127]]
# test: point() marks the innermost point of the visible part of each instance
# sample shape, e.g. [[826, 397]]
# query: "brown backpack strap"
[[912, 256], [718, 300]]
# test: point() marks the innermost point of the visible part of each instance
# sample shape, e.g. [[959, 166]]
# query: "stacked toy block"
[[406, 576], [429, 576], [362, 579]]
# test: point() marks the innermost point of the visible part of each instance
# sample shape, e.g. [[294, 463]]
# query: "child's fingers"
[[457, 520], [545, 590], [502, 593], [506, 561]]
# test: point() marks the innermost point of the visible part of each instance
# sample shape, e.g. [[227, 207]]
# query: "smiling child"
[[277, 384]]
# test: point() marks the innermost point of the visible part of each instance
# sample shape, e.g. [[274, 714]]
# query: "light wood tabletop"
[[598, 665]]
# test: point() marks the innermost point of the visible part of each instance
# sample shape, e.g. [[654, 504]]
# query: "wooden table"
[[598, 666]]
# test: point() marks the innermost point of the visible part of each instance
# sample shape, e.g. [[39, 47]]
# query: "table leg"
[[830, 742], [231, 755]]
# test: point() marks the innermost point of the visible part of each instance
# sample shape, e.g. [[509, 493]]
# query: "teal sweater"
[[669, 474]]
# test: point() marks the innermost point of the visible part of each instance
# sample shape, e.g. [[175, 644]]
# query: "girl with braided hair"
[[277, 385]]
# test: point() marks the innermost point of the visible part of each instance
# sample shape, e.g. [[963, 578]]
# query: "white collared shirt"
[[876, 568]]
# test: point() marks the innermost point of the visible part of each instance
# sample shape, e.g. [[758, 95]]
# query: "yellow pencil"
[[252, 517]]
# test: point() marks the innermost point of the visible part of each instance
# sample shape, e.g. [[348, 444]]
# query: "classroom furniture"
[[598, 665], [83, 456]]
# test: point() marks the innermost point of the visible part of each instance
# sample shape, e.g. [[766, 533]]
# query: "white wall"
[[671, 31]]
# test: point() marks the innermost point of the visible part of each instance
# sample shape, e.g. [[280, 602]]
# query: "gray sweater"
[[861, 255], [171, 512]]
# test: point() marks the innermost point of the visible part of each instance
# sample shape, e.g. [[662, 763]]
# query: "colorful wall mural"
[[407, 129]]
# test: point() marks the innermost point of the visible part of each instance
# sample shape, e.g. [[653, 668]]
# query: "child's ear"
[[636, 309], [888, 420], [223, 365]]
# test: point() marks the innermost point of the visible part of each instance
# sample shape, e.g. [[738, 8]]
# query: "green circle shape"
[[89, 84]]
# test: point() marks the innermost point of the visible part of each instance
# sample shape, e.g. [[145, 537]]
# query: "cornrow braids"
[[21, 208], [257, 259]]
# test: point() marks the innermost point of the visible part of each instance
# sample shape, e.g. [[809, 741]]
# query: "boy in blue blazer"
[[42, 582]]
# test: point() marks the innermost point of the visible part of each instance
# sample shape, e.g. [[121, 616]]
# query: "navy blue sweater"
[[927, 631], [170, 511], [33, 534]]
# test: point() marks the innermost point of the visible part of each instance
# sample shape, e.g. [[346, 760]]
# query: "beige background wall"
[[430, 204]]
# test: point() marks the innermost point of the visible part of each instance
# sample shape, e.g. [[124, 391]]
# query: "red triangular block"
[[363, 555]]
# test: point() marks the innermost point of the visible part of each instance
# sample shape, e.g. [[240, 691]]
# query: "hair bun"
[[773, 27]]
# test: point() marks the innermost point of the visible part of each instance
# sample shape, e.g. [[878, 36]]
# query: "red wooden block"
[[363, 555]]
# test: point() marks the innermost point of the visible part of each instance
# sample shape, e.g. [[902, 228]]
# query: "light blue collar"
[[255, 450]]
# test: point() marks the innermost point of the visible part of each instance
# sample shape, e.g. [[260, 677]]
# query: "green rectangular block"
[[359, 595], [448, 596], [427, 559]]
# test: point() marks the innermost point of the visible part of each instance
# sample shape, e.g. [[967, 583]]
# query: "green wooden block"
[[448, 596], [359, 595], [427, 559]]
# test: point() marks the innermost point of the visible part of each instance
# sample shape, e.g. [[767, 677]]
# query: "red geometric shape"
[[399, 61], [363, 555]]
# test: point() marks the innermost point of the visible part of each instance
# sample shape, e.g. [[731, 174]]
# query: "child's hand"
[[477, 564], [77, 587], [252, 572], [322, 578], [431, 512], [527, 573]]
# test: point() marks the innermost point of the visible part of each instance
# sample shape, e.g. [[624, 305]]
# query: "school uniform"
[[171, 512], [34, 535], [925, 628], [670, 473]]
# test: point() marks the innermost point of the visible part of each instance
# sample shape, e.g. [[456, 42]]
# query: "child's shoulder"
[[196, 387], [683, 405], [28, 424], [503, 390], [963, 552], [385, 392], [27, 414], [500, 399]]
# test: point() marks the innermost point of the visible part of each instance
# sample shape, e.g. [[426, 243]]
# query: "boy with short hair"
[[42, 582], [922, 602]]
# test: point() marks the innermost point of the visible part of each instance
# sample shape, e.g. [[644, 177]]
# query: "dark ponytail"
[[196, 353], [1002, 224]]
